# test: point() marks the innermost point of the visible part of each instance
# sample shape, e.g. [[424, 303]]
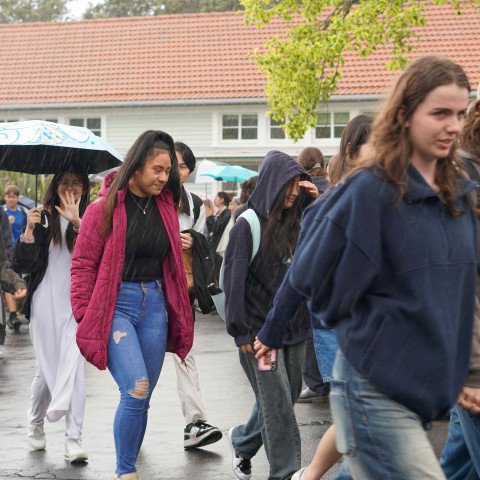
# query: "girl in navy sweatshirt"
[[278, 201], [390, 262]]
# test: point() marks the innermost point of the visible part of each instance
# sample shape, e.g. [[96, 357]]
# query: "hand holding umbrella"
[[70, 210], [34, 216]]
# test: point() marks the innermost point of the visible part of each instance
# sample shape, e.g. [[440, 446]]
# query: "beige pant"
[[188, 389]]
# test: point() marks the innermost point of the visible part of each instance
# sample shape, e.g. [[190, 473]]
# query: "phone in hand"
[[268, 362]]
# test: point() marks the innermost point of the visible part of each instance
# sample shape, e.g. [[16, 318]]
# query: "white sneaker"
[[127, 476], [74, 453], [242, 467], [36, 436]]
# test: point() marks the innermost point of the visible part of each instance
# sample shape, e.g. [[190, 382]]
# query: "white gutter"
[[186, 102]]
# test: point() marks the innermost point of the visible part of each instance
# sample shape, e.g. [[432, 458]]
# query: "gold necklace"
[[137, 204]]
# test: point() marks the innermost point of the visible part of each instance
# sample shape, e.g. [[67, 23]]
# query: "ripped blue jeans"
[[135, 353]]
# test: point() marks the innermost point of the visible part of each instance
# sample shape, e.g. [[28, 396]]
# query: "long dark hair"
[[144, 147], [225, 197], [283, 225], [52, 200], [353, 137]]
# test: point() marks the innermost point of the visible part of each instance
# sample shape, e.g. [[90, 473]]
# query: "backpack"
[[197, 205], [251, 217]]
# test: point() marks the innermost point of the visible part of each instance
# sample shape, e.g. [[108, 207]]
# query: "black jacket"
[[32, 259], [6, 234], [202, 268]]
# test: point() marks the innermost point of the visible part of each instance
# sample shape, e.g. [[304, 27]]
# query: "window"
[[331, 125], [239, 127], [93, 124], [276, 130]]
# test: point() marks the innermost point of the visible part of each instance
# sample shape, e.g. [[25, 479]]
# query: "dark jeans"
[[272, 422], [311, 373]]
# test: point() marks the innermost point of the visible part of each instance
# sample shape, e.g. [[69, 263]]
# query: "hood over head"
[[107, 183], [276, 170]]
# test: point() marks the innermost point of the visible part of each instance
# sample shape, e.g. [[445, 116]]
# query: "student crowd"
[[361, 275]]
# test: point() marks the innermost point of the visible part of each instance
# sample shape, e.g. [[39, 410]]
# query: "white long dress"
[[58, 388]]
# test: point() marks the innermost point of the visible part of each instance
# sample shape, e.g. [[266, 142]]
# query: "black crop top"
[[147, 242]]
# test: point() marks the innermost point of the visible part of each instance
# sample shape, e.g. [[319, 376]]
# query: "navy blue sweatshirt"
[[250, 289], [287, 299], [397, 282]]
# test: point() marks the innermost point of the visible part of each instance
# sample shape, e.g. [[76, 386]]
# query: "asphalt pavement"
[[226, 394]]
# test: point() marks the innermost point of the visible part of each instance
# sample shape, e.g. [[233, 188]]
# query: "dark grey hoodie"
[[250, 289]]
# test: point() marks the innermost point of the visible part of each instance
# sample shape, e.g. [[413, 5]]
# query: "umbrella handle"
[[36, 188]]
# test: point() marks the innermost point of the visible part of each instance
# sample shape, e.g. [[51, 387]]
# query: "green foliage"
[[304, 68], [130, 8], [18, 11], [25, 183], [94, 191]]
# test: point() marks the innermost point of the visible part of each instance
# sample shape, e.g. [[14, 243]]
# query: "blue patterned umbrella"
[[40, 147]]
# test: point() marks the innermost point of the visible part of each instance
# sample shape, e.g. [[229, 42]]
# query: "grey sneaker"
[[242, 467], [74, 453], [36, 436], [310, 396]]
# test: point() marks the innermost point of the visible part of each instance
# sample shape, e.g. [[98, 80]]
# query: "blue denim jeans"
[[456, 461], [272, 421], [135, 354], [378, 437], [326, 347]]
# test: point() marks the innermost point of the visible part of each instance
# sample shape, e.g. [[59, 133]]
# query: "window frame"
[[240, 128], [85, 119], [331, 126]]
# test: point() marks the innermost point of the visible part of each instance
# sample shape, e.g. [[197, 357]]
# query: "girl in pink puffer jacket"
[[129, 291]]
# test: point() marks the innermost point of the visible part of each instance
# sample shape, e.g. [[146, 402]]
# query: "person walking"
[[219, 227], [129, 290], [278, 202], [354, 146], [390, 262], [10, 282], [44, 252], [313, 161], [460, 459], [17, 216], [191, 216]]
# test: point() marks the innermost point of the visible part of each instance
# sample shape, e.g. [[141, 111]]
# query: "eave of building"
[[170, 103]]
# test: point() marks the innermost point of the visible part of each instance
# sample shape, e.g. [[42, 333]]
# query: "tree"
[[129, 8], [17, 11], [303, 69]]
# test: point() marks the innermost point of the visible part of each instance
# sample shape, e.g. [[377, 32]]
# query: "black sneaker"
[[242, 467], [198, 434], [12, 318]]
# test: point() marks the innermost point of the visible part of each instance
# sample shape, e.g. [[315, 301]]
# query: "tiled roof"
[[185, 57]]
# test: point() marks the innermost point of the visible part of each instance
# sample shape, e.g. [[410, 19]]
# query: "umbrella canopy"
[[40, 147], [203, 167], [230, 173]]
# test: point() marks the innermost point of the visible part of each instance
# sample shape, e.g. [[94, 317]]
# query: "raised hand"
[[311, 189], [70, 209]]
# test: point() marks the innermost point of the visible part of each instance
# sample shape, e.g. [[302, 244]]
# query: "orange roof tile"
[[186, 57]]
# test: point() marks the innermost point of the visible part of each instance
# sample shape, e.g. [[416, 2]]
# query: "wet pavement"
[[226, 394]]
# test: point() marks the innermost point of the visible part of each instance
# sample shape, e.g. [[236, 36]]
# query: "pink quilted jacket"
[[97, 268]]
